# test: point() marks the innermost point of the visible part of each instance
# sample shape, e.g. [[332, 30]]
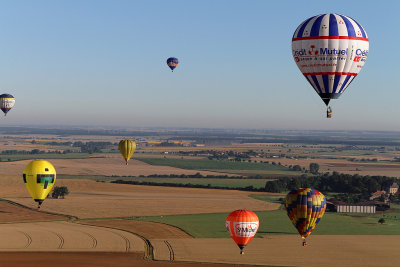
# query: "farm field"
[[276, 222], [18, 157], [213, 182], [90, 199], [187, 224], [344, 166], [104, 164], [220, 165], [286, 250]]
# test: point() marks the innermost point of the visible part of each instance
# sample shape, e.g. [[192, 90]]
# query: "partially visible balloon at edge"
[[7, 102]]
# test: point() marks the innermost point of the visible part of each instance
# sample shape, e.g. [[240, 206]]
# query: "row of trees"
[[335, 182]]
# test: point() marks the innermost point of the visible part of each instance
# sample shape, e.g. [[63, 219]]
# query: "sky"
[[103, 63]]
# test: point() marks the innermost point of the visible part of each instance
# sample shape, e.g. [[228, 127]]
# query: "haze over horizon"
[[102, 63]]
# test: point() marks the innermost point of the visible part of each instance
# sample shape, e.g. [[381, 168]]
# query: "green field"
[[276, 222], [249, 168], [17, 157], [213, 182]]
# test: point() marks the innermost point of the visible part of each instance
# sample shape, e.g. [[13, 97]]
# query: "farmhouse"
[[393, 189], [377, 194]]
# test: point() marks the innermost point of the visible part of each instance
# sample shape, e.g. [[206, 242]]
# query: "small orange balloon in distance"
[[242, 225]]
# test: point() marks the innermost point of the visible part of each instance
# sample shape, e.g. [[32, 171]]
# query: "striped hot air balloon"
[[7, 102], [242, 225], [305, 208], [172, 63], [330, 50]]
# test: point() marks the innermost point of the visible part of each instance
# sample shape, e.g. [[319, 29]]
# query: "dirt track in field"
[[66, 236], [14, 213], [149, 230]]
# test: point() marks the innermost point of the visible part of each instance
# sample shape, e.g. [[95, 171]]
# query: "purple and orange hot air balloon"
[[172, 63]]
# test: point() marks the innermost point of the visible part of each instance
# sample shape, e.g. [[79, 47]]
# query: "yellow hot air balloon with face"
[[127, 148], [39, 177]]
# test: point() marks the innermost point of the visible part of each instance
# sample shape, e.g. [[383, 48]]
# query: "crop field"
[[212, 182], [276, 222], [225, 166], [102, 164], [90, 199], [344, 166], [18, 157]]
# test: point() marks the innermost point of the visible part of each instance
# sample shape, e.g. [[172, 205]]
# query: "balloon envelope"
[[39, 177], [127, 148], [7, 102], [242, 225], [172, 63], [305, 208], [330, 50]]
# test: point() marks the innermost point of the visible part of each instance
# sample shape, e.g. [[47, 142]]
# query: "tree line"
[[335, 182]]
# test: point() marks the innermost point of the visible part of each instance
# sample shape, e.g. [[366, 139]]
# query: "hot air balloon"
[[7, 102], [305, 208], [172, 63], [39, 177], [127, 148], [330, 50], [242, 225]]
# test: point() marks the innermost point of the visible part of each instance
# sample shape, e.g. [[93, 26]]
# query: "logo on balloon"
[[245, 228], [312, 50]]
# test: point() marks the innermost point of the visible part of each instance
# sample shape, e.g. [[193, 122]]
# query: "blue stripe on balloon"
[[316, 26], [300, 32], [344, 84], [350, 29], [316, 83], [333, 26], [336, 82], [325, 79], [309, 80], [364, 35]]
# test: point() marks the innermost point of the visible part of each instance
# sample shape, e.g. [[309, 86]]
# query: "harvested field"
[[286, 250], [66, 236], [14, 213], [111, 164], [149, 230], [90, 199], [89, 259]]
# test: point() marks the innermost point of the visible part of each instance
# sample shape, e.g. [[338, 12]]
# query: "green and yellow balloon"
[[39, 177], [127, 148]]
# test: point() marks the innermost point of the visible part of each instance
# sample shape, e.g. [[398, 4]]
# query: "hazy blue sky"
[[103, 63]]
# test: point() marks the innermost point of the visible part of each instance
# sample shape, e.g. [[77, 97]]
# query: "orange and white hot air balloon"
[[242, 225]]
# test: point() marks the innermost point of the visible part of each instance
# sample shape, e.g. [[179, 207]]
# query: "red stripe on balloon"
[[330, 73], [330, 37]]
